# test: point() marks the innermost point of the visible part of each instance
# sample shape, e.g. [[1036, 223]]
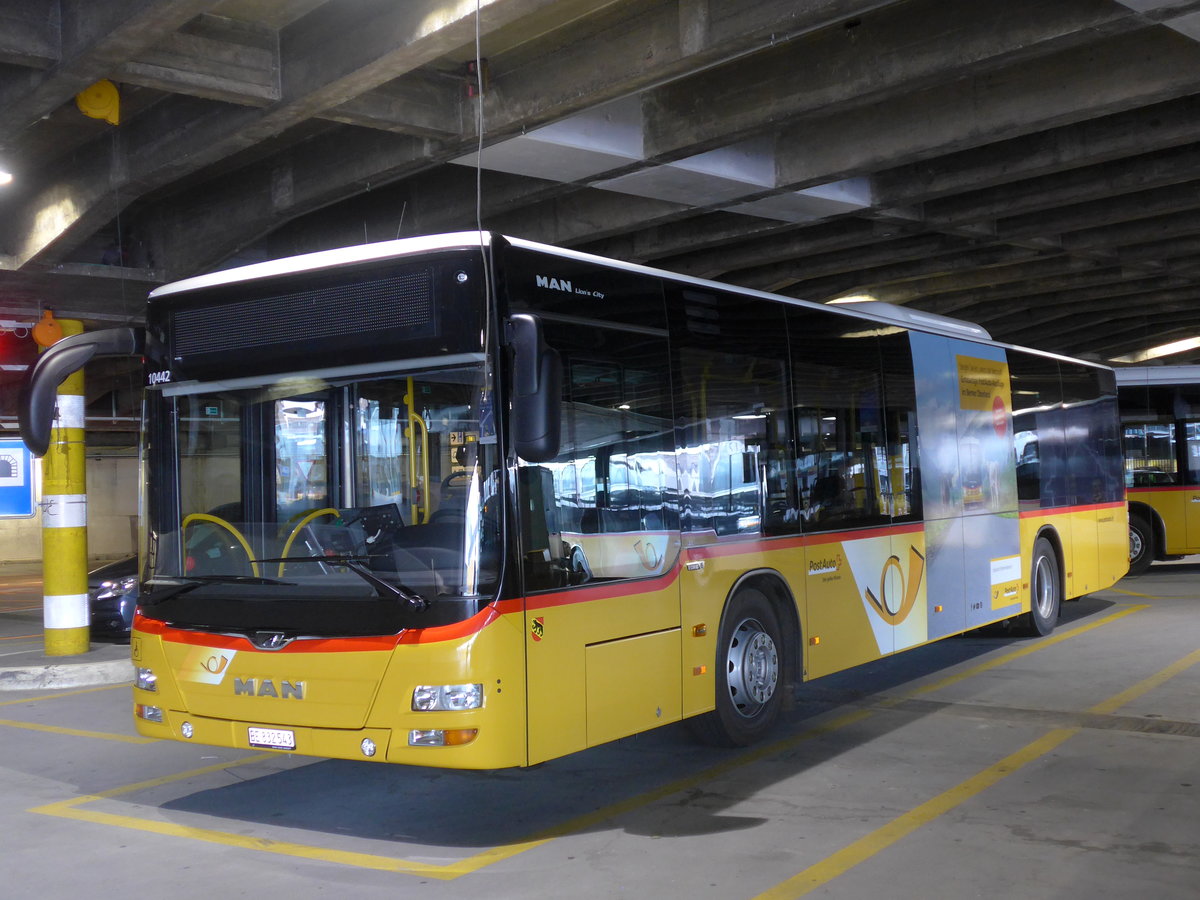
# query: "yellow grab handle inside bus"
[[217, 520], [315, 514]]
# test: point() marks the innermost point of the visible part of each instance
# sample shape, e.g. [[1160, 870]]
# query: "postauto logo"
[[826, 565]]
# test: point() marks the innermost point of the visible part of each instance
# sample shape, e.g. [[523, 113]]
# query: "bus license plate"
[[273, 738]]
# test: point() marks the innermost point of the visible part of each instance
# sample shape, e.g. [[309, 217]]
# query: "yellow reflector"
[[699, 630], [937, 609], [814, 640], [699, 670]]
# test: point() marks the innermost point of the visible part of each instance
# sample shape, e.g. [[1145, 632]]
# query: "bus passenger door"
[[599, 541]]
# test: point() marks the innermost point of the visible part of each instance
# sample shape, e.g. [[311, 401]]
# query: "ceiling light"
[[854, 298], [5, 177], [1161, 350]]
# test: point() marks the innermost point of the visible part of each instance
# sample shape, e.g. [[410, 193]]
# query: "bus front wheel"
[[1141, 545], [1045, 589], [749, 674]]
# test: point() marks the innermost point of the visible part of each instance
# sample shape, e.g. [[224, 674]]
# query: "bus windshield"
[[300, 501]]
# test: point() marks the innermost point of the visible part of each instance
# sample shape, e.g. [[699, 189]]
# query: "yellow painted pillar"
[[66, 617]]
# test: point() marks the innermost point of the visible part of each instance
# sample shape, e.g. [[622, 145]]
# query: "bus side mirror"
[[537, 390], [35, 407]]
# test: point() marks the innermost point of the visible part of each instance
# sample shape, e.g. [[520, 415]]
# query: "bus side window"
[[608, 498], [734, 427], [843, 463]]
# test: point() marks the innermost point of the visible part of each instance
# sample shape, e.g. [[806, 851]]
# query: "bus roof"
[[869, 311], [1147, 375]]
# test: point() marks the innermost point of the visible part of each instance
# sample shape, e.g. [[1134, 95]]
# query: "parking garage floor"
[[981, 766]]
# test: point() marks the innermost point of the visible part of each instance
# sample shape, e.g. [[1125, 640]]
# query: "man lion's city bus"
[[1160, 417], [475, 502]]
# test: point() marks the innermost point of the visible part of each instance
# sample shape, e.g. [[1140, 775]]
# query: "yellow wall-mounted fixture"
[[100, 101], [48, 331]]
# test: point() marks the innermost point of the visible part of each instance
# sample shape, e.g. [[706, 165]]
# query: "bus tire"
[[1045, 588], [749, 674], [1141, 545]]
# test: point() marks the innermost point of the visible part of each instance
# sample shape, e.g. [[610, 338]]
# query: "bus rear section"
[[1160, 419]]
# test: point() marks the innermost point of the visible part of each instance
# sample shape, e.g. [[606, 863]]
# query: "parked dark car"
[[112, 595]]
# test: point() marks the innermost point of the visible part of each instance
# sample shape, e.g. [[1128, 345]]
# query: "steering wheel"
[[308, 517], [193, 518]]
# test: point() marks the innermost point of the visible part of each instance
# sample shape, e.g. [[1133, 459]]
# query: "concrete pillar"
[[66, 616]]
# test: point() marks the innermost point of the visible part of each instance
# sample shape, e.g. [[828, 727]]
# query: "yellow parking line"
[[867, 846], [1034, 647], [70, 808], [19, 637], [1134, 594], [76, 732], [59, 695]]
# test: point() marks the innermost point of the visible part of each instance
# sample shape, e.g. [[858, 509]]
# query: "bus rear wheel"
[[1045, 589], [749, 674], [1141, 545]]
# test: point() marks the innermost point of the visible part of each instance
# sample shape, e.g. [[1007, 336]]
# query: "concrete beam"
[[1138, 131], [549, 87], [1136, 231], [328, 57], [416, 104], [895, 51], [213, 57], [1081, 83], [95, 38], [922, 289], [984, 265], [669, 244], [29, 33], [649, 44], [1045, 317], [1123, 208], [1132, 174], [801, 241], [880, 255]]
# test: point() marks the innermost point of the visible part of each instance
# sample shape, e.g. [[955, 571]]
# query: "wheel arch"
[[1150, 514], [1050, 533], [777, 590]]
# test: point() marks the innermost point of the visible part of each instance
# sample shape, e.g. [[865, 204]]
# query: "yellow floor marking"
[[69, 808], [1134, 594], [19, 637], [76, 732], [56, 696], [1005, 658], [867, 846]]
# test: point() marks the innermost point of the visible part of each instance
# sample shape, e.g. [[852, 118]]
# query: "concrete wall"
[[112, 488]]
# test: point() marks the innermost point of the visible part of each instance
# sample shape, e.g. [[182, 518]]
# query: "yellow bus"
[[475, 502], [1160, 420]]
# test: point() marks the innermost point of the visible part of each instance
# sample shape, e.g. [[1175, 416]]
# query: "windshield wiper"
[[386, 589], [191, 582]]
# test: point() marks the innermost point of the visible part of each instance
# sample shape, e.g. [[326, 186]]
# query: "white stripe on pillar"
[[65, 611], [70, 411], [64, 510]]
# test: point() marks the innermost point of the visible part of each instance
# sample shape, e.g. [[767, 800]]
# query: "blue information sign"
[[16, 480]]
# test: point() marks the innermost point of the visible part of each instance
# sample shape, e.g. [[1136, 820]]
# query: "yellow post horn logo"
[[883, 604]]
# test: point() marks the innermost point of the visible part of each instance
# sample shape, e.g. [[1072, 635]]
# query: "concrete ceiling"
[[1031, 166]]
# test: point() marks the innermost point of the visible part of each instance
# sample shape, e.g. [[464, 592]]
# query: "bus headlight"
[[146, 680], [447, 697]]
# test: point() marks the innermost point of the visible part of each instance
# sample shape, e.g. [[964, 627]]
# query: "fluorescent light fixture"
[[1161, 350], [854, 298], [5, 177]]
